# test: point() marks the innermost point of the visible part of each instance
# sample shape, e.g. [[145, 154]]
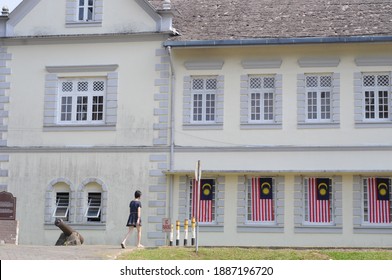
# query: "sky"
[[11, 4]]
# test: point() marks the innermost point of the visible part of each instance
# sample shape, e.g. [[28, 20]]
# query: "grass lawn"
[[240, 253]]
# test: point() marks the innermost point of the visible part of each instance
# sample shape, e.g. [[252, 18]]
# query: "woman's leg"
[[139, 236], [130, 229]]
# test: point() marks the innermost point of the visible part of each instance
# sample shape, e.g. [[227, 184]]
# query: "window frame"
[[318, 91], [305, 187], [74, 95], [262, 90], [58, 206], [214, 205], [249, 198], [97, 217], [204, 92], [376, 89], [85, 7], [365, 202]]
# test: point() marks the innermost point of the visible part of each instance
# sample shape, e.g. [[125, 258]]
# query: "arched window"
[[92, 201], [60, 201]]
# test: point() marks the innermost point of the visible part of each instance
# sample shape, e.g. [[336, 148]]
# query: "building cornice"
[[84, 38], [277, 41]]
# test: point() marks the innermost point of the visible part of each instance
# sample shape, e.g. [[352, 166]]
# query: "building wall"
[[344, 150], [110, 17]]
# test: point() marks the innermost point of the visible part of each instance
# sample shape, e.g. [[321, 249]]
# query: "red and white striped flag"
[[202, 200], [262, 200], [319, 200], [379, 203]]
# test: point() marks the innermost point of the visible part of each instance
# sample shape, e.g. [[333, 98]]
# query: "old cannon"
[[69, 236]]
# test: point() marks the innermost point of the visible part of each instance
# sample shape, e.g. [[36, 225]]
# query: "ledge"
[[318, 229], [202, 126], [81, 68], [261, 63], [56, 128], [78, 227], [260, 228], [204, 65], [317, 125], [249, 126], [319, 61], [376, 229], [373, 61]]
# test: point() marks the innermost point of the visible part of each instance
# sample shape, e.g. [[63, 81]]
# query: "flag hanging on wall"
[[203, 200], [319, 204], [379, 200], [262, 200]]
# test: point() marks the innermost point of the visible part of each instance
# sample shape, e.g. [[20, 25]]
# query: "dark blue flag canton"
[[206, 189], [323, 185], [265, 188], [383, 186]]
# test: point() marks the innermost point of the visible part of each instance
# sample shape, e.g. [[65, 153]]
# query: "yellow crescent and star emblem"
[[322, 187], [206, 189], [382, 189], [266, 188]]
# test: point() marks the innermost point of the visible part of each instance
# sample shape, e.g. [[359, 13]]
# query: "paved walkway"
[[83, 252]]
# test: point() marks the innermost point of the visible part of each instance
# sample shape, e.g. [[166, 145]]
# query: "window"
[[204, 99], [318, 200], [204, 199], [86, 10], [377, 200], [82, 101], [261, 200], [62, 206], [261, 99], [93, 211], [318, 98], [376, 97]]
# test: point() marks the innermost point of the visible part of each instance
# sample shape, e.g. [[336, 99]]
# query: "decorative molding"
[[373, 61], [261, 63], [319, 61], [81, 68], [204, 65]]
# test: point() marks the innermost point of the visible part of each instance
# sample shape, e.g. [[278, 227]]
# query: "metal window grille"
[[93, 211], [204, 99], [261, 98], [318, 98], [61, 209]]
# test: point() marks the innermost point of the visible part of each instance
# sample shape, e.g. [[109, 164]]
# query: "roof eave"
[[278, 41]]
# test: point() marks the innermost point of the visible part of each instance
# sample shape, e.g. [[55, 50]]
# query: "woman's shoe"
[[123, 245]]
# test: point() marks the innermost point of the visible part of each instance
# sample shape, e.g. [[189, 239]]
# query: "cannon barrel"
[[64, 227]]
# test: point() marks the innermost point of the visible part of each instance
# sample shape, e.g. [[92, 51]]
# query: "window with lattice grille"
[[376, 96], [204, 91], [261, 99], [318, 98], [82, 101]]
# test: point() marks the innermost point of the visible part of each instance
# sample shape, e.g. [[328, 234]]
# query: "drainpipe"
[[171, 123]]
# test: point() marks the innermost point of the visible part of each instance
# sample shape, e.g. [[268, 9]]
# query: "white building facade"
[[101, 98]]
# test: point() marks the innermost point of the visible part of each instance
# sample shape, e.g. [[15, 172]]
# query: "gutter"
[[278, 41], [172, 122]]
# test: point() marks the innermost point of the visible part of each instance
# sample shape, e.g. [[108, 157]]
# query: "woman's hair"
[[138, 194]]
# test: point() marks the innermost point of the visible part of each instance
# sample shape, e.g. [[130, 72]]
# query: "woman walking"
[[134, 220]]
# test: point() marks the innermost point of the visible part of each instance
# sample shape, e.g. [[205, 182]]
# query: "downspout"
[[171, 124]]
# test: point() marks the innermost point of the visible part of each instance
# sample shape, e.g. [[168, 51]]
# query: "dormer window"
[[86, 10]]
